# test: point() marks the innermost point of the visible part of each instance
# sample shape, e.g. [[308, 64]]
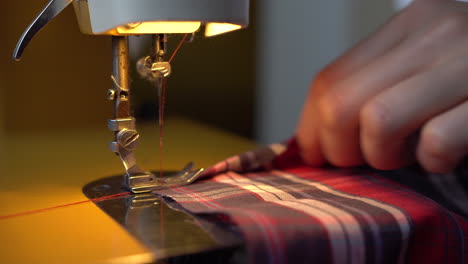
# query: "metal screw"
[[111, 94], [128, 138], [161, 53], [161, 69]]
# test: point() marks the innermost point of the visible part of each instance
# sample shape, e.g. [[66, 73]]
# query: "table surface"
[[50, 168]]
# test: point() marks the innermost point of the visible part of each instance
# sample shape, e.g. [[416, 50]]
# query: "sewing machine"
[[121, 18], [84, 233]]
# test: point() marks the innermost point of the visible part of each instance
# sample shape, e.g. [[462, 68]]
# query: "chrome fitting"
[[121, 123], [128, 138]]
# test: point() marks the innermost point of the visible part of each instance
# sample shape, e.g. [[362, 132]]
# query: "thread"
[[115, 82], [162, 103], [161, 125], [3, 217], [161, 136], [178, 47]]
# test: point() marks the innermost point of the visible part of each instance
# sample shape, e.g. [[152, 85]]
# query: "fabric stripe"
[[213, 194], [451, 228], [400, 217], [374, 249], [262, 224], [341, 225], [336, 230], [198, 197]]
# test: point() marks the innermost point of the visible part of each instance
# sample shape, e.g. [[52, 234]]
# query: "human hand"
[[399, 96]]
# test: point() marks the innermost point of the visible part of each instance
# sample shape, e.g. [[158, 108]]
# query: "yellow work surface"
[[45, 169]]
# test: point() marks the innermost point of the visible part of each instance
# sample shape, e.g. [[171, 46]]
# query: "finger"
[[444, 140], [378, 43], [389, 36], [308, 127], [388, 120], [341, 104], [309, 145], [307, 131]]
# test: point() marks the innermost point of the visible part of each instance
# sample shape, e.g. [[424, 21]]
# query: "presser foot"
[[147, 181]]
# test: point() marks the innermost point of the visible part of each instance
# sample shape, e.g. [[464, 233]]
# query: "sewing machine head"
[[127, 17], [121, 18]]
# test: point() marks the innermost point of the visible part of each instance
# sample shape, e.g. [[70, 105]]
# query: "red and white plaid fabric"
[[290, 213]]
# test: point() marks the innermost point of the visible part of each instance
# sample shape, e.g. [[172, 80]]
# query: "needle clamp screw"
[[128, 138]]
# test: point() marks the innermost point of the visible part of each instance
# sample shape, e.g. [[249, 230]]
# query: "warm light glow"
[[158, 27], [213, 29]]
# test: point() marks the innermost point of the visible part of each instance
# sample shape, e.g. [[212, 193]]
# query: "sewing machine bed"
[[171, 235], [42, 170]]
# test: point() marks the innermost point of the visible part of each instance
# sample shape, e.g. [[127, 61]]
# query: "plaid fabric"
[[290, 213]]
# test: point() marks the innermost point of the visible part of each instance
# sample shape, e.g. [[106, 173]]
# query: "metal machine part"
[[121, 18], [154, 67], [126, 137], [128, 17], [169, 234], [52, 9]]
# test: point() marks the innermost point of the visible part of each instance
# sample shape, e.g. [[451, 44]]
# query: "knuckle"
[[324, 80], [375, 120], [334, 109], [334, 106], [436, 143]]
